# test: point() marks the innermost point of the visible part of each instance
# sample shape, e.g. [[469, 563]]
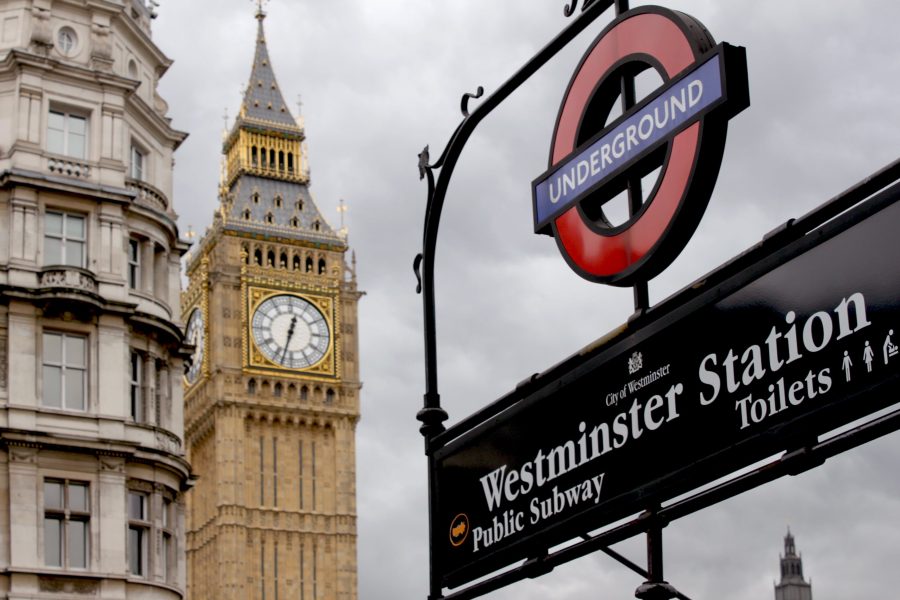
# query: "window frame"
[[167, 529], [137, 162], [64, 367], [142, 526], [66, 47], [65, 239], [134, 263], [135, 387], [64, 515], [67, 135]]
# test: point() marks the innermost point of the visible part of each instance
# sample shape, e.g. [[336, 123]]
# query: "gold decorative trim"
[[255, 293], [197, 297]]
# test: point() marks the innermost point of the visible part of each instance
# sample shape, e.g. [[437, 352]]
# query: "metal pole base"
[[655, 590]]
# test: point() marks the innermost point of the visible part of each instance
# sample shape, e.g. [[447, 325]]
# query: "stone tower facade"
[[792, 585], [272, 395], [92, 468]]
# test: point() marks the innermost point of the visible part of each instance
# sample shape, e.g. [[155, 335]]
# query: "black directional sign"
[[797, 344]]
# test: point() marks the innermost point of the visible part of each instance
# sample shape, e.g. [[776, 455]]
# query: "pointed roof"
[[261, 201], [263, 101]]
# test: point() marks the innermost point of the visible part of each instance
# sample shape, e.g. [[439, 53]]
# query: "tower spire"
[[792, 585], [266, 176], [263, 100]]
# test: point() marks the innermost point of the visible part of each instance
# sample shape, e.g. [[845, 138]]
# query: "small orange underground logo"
[[459, 530]]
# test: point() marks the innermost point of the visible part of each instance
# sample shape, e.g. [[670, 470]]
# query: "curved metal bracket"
[[569, 9], [464, 103], [432, 416]]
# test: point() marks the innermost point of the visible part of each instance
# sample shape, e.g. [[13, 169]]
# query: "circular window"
[[66, 41]]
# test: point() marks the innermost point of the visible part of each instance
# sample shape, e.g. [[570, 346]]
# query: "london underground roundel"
[[678, 129]]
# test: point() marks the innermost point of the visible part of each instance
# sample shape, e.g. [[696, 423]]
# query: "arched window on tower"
[[299, 205], [246, 214], [278, 201], [283, 261], [257, 257], [281, 160], [262, 157], [304, 394], [270, 218], [270, 259], [296, 263], [254, 157], [329, 396], [251, 387], [321, 266], [295, 222], [317, 226], [309, 264], [277, 390], [290, 162], [272, 158]]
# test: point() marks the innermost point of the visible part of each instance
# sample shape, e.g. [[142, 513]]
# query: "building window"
[[64, 374], [67, 134], [137, 404], [66, 518], [65, 238], [167, 553], [134, 264], [138, 533], [66, 40], [138, 158]]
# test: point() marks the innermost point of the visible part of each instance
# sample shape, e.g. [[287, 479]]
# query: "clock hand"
[[290, 334]]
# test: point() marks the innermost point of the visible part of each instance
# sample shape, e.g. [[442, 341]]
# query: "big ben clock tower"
[[272, 392]]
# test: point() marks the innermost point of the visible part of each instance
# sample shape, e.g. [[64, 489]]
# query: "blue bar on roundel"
[[584, 170]]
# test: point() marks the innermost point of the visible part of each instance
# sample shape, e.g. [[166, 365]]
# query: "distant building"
[[792, 585], [92, 467]]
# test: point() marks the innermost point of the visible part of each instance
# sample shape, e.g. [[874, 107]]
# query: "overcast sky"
[[380, 79]]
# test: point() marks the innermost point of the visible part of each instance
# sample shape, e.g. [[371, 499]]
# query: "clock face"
[[290, 331], [195, 335]]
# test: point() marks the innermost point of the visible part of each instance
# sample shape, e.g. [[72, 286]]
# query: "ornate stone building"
[[272, 396], [92, 470], [792, 585]]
